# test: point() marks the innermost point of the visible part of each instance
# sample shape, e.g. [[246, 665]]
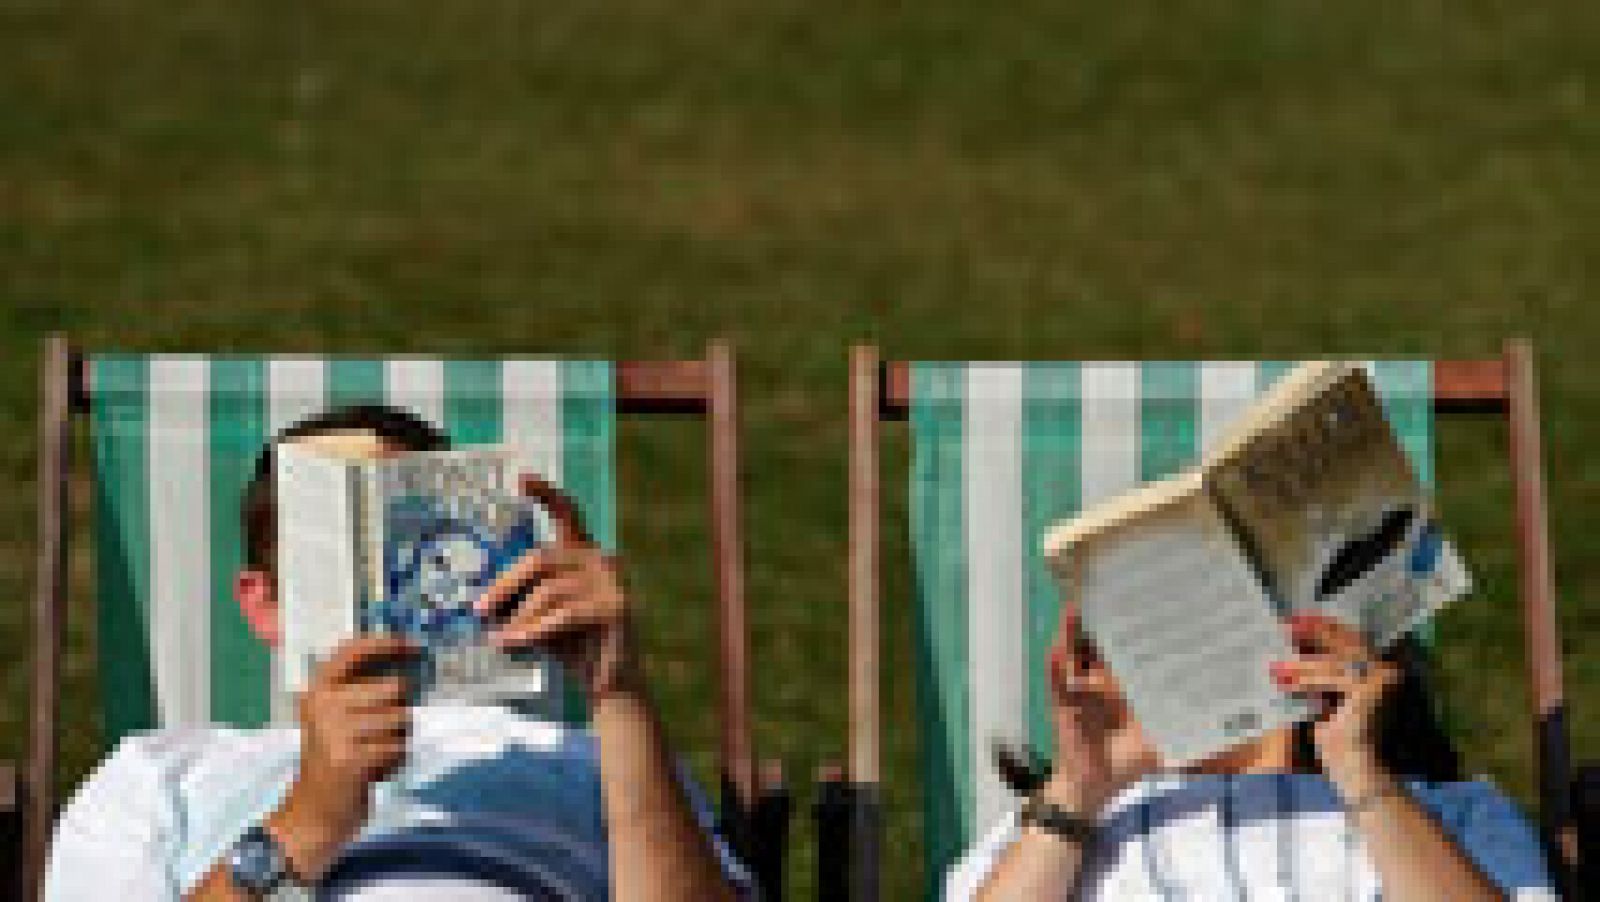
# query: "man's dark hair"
[[392, 425]]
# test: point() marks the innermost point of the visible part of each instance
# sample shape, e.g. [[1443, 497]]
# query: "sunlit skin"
[[1095, 731], [567, 598]]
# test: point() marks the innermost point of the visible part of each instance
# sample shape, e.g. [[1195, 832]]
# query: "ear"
[[258, 601]]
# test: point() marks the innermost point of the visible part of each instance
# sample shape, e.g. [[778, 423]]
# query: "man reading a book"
[[1272, 818], [369, 798]]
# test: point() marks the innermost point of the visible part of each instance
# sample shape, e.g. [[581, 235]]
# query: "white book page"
[[1187, 630], [316, 564]]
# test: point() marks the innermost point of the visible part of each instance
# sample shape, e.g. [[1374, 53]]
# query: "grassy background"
[[950, 179]]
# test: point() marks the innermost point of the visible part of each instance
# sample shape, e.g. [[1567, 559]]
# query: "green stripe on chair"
[[1031, 443], [175, 440]]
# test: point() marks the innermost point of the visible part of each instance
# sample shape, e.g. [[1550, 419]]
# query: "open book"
[[1308, 504], [402, 545]]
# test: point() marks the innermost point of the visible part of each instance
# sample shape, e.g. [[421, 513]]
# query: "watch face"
[[256, 862]]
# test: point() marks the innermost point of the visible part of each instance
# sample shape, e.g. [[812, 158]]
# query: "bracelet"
[[1057, 821], [1389, 789]]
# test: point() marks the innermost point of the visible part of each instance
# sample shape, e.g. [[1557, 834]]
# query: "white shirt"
[[489, 806], [1265, 836]]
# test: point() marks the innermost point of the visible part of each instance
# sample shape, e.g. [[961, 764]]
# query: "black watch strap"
[[1058, 821]]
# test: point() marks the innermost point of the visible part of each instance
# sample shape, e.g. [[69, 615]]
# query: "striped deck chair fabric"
[[175, 438], [1000, 451]]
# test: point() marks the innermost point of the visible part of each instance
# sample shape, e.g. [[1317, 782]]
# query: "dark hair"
[[390, 424], [1412, 740]]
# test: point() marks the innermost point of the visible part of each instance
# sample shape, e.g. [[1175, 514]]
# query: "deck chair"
[[174, 438], [1002, 450]]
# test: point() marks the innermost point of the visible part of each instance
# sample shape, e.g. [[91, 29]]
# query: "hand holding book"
[[1101, 744], [1338, 668], [565, 597]]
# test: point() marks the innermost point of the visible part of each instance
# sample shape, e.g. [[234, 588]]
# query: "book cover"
[[419, 537]]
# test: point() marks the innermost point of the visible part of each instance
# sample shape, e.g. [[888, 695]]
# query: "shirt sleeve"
[[114, 839], [963, 880], [1499, 839]]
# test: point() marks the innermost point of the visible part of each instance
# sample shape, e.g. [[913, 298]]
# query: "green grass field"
[[1032, 179]]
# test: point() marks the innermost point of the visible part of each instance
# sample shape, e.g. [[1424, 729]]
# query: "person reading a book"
[[370, 798], [1289, 815]]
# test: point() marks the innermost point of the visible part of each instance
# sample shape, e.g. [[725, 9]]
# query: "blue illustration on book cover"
[[440, 552]]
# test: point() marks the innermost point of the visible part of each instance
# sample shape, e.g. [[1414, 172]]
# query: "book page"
[[1186, 628], [315, 558], [1326, 501]]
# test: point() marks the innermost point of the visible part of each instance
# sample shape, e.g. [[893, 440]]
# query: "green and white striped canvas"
[[175, 439], [1002, 450]]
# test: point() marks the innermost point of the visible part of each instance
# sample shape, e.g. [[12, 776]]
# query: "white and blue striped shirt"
[[489, 806], [1266, 836]]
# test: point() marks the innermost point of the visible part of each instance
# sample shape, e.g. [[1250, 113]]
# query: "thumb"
[[564, 513]]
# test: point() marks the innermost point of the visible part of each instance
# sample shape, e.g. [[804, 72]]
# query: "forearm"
[[1416, 860], [1041, 864], [657, 847], [1037, 866]]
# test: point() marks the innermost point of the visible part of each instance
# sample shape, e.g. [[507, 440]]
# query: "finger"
[[564, 514], [378, 724], [380, 759], [1321, 633], [525, 572], [361, 653], [371, 693], [554, 593], [542, 629], [1332, 674]]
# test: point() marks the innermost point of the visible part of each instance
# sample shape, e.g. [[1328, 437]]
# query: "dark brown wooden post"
[[866, 807], [727, 542], [39, 799], [1538, 601]]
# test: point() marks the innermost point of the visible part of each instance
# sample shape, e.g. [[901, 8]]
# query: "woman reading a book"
[[1259, 821]]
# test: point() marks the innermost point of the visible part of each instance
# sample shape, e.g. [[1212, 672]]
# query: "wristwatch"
[[257, 864], [1057, 821]]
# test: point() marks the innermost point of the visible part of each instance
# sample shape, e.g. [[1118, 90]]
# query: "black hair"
[[390, 424]]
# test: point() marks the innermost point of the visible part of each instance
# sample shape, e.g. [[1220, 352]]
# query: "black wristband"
[[1058, 821]]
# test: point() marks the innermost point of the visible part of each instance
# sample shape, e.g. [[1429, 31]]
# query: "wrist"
[[310, 835], [1358, 775], [1085, 797]]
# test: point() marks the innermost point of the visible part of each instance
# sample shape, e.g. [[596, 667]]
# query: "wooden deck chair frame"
[[753, 816], [849, 821]]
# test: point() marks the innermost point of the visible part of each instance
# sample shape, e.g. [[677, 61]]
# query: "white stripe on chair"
[[997, 614], [416, 384], [1109, 401], [180, 538], [1227, 387], [531, 419]]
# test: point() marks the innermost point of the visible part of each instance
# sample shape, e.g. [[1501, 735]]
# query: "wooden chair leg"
[[769, 833], [10, 833], [1586, 815], [830, 814]]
